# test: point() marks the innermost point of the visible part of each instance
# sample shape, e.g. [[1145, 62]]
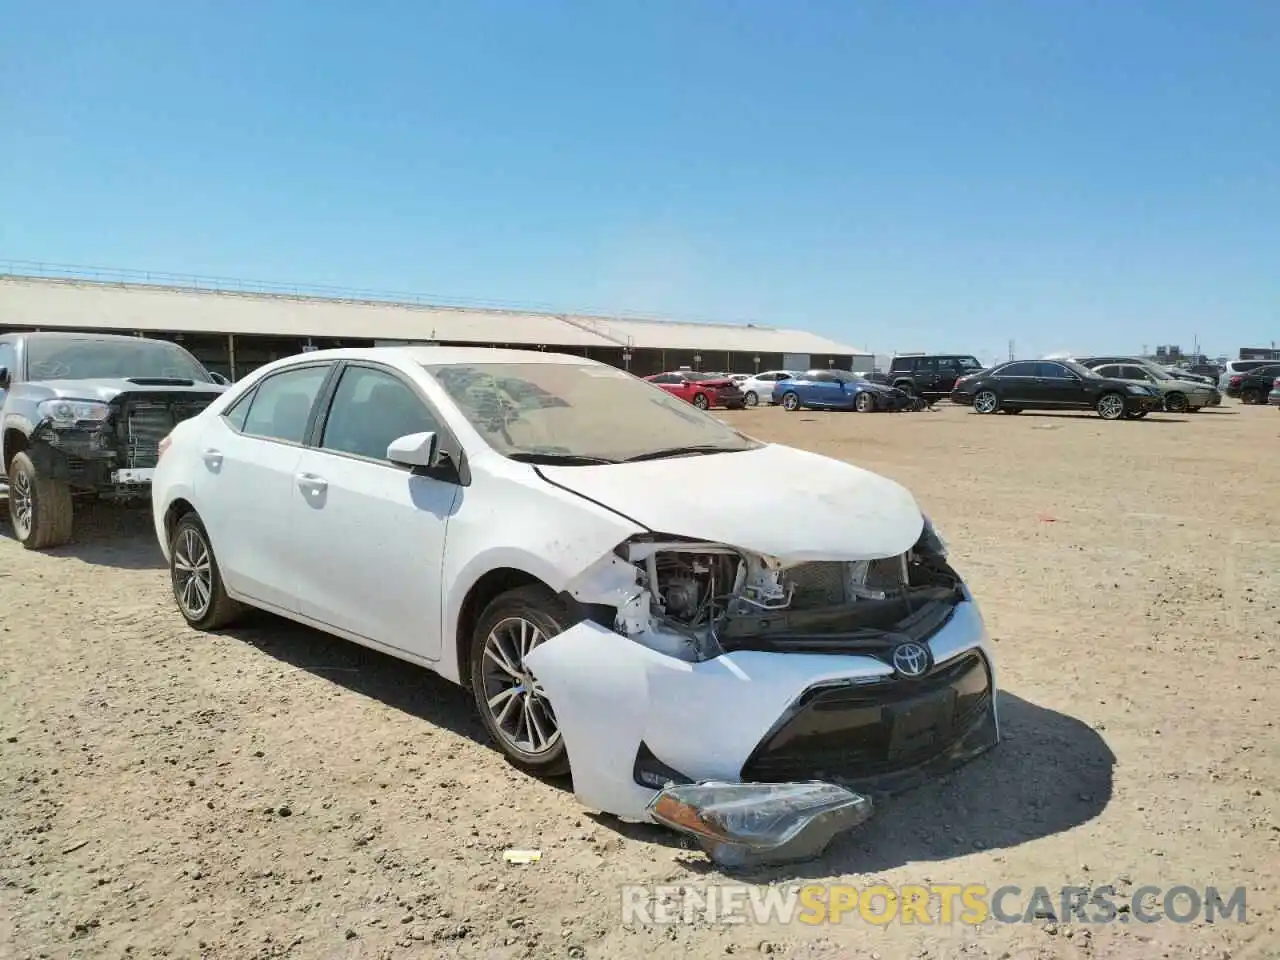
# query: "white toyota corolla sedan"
[[714, 632]]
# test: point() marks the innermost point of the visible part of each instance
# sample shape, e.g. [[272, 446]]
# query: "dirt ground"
[[274, 792]]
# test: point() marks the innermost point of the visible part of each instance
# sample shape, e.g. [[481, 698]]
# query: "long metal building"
[[233, 331]]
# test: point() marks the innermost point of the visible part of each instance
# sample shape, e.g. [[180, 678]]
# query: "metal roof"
[[71, 303]]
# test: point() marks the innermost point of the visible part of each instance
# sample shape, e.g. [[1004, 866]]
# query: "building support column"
[[231, 355]]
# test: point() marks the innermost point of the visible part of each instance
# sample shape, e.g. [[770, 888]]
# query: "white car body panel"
[[783, 502], [704, 719]]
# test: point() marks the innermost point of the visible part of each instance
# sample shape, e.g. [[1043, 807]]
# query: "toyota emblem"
[[910, 660]]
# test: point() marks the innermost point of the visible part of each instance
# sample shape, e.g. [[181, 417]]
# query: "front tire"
[[1176, 403], [196, 578], [751, 399], [986, 402], [512, 704], [700, 401], [865, 403], [1111, 406], [39, 506]]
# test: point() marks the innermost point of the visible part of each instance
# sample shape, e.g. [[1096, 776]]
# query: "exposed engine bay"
[[698, 600]]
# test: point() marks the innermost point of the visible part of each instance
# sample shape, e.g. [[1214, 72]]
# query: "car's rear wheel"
[[39, 506], [1111, 406], [1176, 402], [1251, 396], [751, 399], [864, 403], [986, 401], [700, 401], [196, 579], [790, 402], [513, 706]]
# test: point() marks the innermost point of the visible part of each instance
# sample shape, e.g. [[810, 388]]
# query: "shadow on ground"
[[1054, 772], [400, 685], [1156, 416], [105, 534]]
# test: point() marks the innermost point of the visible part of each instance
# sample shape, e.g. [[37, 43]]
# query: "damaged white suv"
[[725, 635]]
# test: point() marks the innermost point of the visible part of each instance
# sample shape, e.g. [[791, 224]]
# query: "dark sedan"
[[1053, 385], [1254, 386]]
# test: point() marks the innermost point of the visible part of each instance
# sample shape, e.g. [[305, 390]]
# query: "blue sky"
[[896, 175]]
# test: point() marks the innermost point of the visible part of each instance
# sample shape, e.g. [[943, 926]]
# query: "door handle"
[[213, 457], [310, 483]]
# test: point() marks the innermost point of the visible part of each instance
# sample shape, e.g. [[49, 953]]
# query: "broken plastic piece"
[[522, 856], [742, 824]]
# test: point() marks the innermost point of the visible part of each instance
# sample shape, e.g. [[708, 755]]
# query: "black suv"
[[930, 376]]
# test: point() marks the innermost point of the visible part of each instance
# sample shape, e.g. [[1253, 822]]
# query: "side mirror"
[[413, 450], [4, 378]]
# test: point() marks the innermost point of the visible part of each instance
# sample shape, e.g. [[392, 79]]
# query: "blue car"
[[838, 390]]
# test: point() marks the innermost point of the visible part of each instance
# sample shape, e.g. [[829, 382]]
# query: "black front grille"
[[144, 420], [853, 732]]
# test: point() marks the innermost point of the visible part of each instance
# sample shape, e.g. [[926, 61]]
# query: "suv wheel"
[[906, 386], [39, 506]]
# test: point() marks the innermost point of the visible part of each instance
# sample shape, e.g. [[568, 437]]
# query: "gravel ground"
[[274, 792]]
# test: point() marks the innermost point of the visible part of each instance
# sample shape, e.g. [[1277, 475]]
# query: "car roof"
[[78, 335], [441, 355]]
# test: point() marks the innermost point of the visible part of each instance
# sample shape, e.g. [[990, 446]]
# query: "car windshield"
[[689, 375], [578, 411], [75, 358], [1159, 373]]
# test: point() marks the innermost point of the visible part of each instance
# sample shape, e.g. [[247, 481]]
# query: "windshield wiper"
[[558, 459], [678, 452]]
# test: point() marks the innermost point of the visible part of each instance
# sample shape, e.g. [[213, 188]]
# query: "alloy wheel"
[[751, 399], [1111, 407], [790, 402], [700, 401], [985, 402], [20, 511], [193, 574], [516, 702], [864, 403], [1176, 403]]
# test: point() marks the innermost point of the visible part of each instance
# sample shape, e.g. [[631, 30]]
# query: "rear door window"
[[282, 403]]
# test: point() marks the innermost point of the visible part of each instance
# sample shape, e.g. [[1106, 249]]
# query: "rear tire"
[[196, 579], [700, 401], [512, 705], [790, 402], [1251, 396], [751, 399], [1111, 406], [39, 506]]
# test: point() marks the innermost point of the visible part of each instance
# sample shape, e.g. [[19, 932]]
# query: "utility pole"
[[1010, 349]]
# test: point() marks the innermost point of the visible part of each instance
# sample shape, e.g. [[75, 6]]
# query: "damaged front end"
[[771, 685], [109, 448]]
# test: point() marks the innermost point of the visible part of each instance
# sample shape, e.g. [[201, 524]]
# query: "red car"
[[703, 390]]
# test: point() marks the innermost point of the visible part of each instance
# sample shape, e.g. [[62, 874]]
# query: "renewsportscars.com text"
[[932, 904]]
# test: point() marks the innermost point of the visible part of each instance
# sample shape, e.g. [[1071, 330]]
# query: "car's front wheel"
[[196, 579], [39, 506], [790, 402], [513, 706], [751, 399], [1176, 403], [865, 403], [1111, 406], [986, 401]]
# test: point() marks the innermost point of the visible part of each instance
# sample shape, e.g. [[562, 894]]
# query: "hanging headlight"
[[748, 823]]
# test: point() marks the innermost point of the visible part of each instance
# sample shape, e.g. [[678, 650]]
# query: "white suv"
[[1237, 367]]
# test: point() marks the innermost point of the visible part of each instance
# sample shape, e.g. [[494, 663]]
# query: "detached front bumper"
[[1144, 403], [634, 720]]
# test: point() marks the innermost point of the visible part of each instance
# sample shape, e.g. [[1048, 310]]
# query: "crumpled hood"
[[106, 390], [776, 500], [873, 387]]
